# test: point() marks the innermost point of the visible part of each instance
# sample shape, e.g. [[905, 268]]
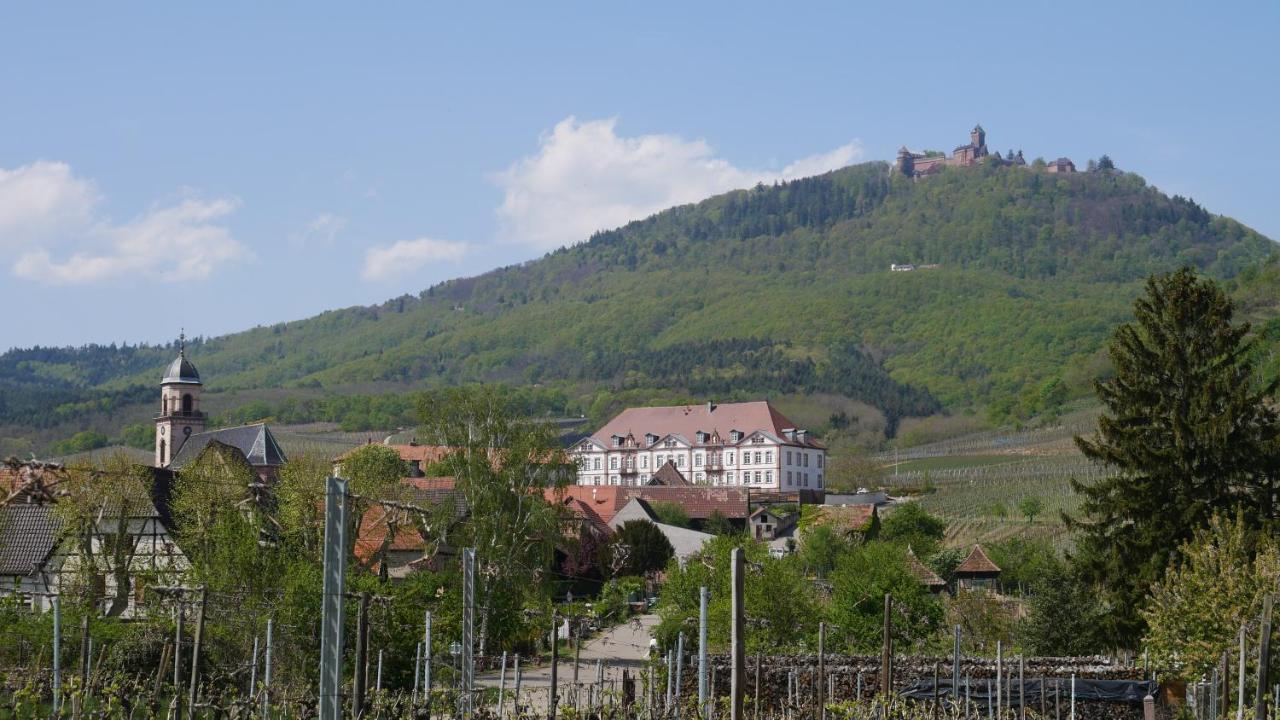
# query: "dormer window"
[[617, 440], [703, 437], [650, 438], [735, 436]]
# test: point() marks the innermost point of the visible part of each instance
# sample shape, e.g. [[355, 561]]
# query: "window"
[[768, 476], [728, 458], [659, 462], [768, 458], [819, 479], [758, 461], [788, 477], [613, 463], [728, 478], [644, 461], [746, 458], [819, 461], [187, 403], [698, 477], [595, 464], [788, 457], [757, 477], [164, 404], [697, 460], [806, 459], [679, 461]]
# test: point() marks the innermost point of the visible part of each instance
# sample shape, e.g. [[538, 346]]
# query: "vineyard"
[[984, 483]]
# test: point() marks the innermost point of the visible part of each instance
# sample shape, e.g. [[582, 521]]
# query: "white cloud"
[[46, 211], [170, 244], [322, 229], [585, 177], [406, 256], [41, 199]]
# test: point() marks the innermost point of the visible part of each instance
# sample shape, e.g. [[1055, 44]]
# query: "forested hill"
[[769, 290]]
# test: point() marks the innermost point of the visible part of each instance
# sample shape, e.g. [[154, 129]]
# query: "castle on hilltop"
[[921, 164]]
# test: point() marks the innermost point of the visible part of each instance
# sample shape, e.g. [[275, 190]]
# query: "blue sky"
[[226, 165]]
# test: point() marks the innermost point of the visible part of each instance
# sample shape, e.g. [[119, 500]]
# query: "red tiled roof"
[[977, 564], [669, 476], [431, 483], [422, 453], [698, 502], [922, 572], [688, 420], [373, 531]]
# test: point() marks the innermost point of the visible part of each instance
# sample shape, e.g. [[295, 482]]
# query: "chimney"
[[415, 469], [800, 435]]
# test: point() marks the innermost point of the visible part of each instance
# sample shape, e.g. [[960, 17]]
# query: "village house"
[[749, 445]]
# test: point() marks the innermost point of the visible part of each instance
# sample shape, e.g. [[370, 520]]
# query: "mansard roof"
[[686, 421], [255, 441]]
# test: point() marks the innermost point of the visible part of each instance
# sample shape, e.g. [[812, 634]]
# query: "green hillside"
[[781, 290]]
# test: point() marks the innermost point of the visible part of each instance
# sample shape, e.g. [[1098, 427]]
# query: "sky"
[[219, 166]]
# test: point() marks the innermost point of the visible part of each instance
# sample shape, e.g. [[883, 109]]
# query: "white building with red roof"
[[747, 444]]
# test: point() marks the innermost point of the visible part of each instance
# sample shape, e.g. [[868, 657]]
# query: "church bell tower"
[[180, 414]]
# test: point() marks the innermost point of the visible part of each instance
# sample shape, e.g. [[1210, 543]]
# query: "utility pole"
[[253, 667], [84, 652], [822, 670], [333, 607], [737, 640], [177, 659], [266, 673], [886, 648], [955, 664], [57, 654], [426, 663], [703, 598], [1240, 683], [1264, 661], [502, 686], [679, 663], [555, 662], [195, 654], [468, 627], [360, 678]]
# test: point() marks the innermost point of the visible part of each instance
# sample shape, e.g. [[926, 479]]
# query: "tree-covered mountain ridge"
[[774, 289]]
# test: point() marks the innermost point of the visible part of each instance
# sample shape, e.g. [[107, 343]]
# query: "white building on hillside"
[[736, 444]]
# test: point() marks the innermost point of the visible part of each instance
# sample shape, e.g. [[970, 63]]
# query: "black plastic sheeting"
[[982, 691]]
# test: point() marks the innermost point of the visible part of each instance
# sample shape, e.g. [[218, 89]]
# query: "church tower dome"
[[180, 415]]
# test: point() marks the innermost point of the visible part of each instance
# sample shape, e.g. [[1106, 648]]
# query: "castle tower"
[[180, 414], [978, 136], [906, 162]]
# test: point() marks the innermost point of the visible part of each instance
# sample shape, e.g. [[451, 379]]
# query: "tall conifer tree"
[[1188, 430]]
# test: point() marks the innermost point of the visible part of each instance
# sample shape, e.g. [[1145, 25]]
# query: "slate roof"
[[255, 441], [181, 371], [28, 536], [977, 564]]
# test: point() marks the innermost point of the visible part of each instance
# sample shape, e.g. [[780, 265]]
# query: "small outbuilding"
[[977, 571]]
